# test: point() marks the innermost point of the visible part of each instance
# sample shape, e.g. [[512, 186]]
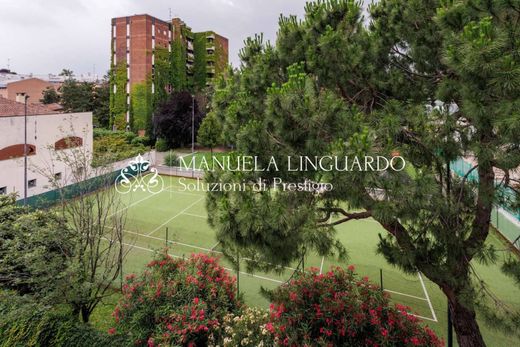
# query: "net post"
[[381, 278], [166, 240]]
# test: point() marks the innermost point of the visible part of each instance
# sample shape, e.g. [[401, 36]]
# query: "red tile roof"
[[13, 108]]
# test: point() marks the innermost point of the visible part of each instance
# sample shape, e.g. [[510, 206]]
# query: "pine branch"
[[348, 216]]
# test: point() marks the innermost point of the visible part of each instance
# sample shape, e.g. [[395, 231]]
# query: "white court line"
[[215, 246], [180, 192], [321, 267], [178, 214], [263, 277], [403, 294], [195, 247], [195, 215], [228, 269], [427, 297], [137, 202]]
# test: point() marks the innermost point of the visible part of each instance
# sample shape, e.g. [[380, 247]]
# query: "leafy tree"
[[35, 251], [67, 73], [77, 96], [431, 82], [209, 132], [50, 96], [96, 218], [173, 119], [101, 104]]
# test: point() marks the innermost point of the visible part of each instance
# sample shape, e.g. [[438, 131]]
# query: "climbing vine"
[[118, 99], [162, 75], [178, 78], [199, 48], [141, 105]]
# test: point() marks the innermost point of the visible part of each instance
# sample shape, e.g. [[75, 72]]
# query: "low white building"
[[48, 133]]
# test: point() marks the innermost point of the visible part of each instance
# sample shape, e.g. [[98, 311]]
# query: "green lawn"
[[180, 217]]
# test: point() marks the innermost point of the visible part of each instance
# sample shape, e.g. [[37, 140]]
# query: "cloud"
[[47, 36]]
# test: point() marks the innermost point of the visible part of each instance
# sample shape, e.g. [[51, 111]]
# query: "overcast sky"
[[45, 36]]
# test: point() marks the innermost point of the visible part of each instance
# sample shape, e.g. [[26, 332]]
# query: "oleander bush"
[[193, 302], [179, 302], [339, 309], [247, 329]]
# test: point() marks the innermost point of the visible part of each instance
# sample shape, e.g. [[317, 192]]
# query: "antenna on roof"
[[9, 64], [170, 13]]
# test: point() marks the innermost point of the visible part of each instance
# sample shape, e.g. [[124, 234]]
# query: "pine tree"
[[431, 81]]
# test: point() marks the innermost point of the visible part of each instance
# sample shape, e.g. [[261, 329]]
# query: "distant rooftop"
[[9, 108]]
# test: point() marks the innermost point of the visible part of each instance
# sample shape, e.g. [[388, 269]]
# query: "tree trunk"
[[85, 314], [464, 322]]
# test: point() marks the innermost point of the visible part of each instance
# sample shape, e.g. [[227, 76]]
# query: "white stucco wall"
[[42, 131]]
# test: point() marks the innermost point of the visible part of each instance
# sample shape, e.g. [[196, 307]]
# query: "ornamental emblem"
[[138, 175]]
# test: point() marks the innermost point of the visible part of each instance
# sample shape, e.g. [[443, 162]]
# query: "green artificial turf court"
[[178, 219]]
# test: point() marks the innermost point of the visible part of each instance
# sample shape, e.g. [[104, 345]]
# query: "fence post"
[[166, 236], [238, 273], [381, 278]]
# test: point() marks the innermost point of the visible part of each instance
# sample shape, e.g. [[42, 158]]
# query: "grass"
[[180, 218]]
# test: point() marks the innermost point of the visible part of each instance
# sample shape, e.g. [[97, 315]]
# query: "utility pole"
[[25, 152], [193, 124]]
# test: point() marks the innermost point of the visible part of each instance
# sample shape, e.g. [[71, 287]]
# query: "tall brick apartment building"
[[151, 58]]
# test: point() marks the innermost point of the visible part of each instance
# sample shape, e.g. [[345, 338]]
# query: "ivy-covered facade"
[[152, 58]]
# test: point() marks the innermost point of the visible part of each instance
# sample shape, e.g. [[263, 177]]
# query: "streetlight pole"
[[193, 124], [25, 153]]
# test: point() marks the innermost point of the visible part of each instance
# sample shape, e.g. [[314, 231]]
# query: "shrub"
[[176, 302], [111, 146], [27, 323], [338, 309], [140, 141], [161, 145], [247, 329], [171, 159], [129, 136]]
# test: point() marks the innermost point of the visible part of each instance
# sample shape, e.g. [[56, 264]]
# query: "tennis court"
[[178, 219]]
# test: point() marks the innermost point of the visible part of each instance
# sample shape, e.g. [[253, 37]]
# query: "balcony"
[[190, 57], [210, 37], [190, 46]]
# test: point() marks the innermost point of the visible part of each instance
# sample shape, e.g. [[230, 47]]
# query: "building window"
[[31, 183], [115, 88], [3, 190], [57, 176]]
